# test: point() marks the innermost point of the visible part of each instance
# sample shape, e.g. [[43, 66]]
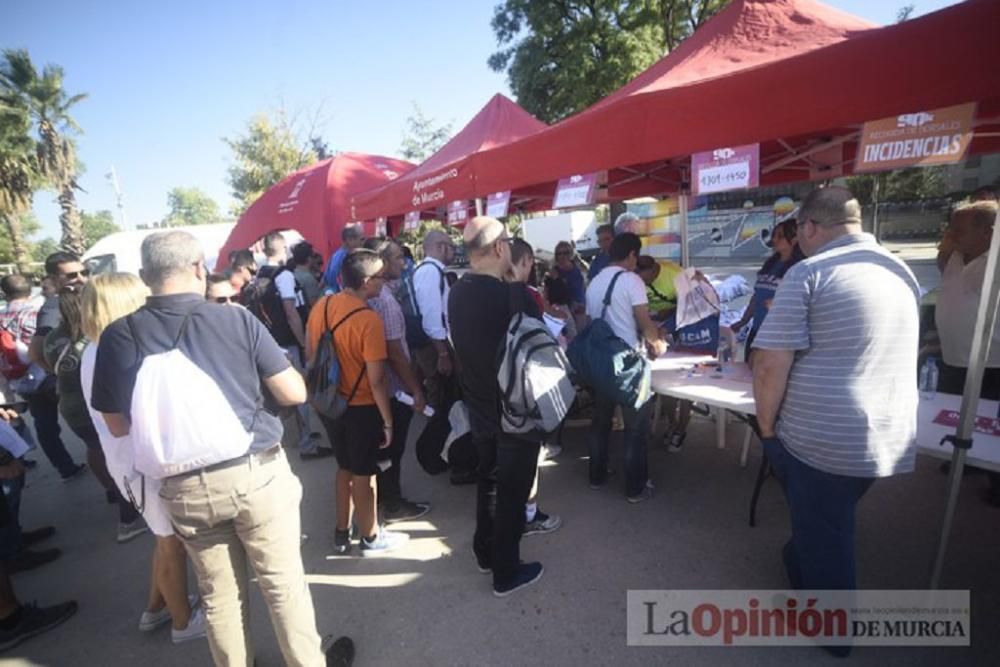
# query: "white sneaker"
[[151, 620], [196, 628], [386, 540], [552, 451]]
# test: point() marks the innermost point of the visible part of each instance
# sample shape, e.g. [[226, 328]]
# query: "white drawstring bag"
[[181, 420], [696, 298]]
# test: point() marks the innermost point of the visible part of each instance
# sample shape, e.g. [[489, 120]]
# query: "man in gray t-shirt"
[[835, 382]]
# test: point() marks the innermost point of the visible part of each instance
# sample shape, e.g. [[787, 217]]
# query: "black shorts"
[[356, 437]]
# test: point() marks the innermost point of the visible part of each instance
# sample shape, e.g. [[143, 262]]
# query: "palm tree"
[[49, 106], [17, 175]]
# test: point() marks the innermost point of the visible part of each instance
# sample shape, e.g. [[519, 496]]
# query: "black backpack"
[[262, 299], [415, 336]]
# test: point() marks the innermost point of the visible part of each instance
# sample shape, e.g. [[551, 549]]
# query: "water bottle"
[[725, 354], [929, 378]]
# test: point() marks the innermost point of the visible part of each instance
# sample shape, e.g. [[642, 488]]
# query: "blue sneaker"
[[527, 574]]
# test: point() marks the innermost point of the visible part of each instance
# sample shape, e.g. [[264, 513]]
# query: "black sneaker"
[[482, 564], [29, 560], [34, 621], [32, 537], [339, 653], [407, 511], [341, 542], [542, 523], [527, 574], [75, 473], [676, 442]]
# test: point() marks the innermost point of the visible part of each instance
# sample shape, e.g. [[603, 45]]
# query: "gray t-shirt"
[[228, 343], [851, 314]]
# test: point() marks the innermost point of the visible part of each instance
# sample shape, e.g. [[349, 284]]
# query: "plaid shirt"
[[20, 318], [388, 308]]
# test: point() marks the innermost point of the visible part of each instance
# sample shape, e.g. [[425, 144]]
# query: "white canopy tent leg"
[[683, 212], [985, 322]]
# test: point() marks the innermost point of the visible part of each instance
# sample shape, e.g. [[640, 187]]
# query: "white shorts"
[[154, 510]]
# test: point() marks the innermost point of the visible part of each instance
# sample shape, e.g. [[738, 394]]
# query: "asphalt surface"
[[428, 605]]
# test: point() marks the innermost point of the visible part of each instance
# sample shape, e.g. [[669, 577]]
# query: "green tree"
[[49, 107], [562, 57], [44, 248], [18, 176], [96, 226], [267, 152], [321, 148], [191, 206], [28, 226], [912, 184], [423, 137]]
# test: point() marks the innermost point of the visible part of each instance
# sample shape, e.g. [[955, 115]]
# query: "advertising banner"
[[578, 190], [411, 221], [922, 139], [497, 204], [732, 168], [458, 213]]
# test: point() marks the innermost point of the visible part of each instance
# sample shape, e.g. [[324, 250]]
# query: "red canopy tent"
[[794, 75], [450, 175], [314, 201]]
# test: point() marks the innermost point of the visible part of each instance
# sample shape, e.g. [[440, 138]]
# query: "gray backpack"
[[536, 392]]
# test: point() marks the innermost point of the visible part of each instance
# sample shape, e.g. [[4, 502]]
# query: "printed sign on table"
[[411, 220], [458, 213], [731, 168], [497, 204], [984, 425], [578, 190], [922, 139]]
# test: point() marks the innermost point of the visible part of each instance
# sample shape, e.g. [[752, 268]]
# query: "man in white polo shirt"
[[628, 315], [962, 260], [835, 384]]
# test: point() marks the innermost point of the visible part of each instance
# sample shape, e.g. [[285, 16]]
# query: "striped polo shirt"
[[850, 312]]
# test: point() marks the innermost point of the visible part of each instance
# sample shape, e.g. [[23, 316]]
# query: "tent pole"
[[985, 321], [479, 206], [682, 206]]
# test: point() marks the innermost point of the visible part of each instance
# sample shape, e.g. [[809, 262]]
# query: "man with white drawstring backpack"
[[187, 381]]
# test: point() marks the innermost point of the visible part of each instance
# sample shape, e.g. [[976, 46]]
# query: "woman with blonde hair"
[[106, 298], [63, 348]]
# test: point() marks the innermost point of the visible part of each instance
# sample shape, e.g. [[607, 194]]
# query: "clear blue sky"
[[167, 80]]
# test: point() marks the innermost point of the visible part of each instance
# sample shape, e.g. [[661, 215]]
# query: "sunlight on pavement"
[[421, 549], [364, 580]]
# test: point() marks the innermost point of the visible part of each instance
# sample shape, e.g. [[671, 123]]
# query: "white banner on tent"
[[577, 190], [497, 204]]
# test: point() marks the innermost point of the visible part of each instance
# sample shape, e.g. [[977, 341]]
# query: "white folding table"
[[699, 378]]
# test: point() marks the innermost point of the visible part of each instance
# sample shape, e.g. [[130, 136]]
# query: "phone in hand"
[[20, 407]]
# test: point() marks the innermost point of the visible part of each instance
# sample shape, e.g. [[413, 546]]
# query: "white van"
[[119, 252], [577, 227]]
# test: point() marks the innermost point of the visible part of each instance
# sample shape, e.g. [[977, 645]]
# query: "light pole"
[[112, 177]]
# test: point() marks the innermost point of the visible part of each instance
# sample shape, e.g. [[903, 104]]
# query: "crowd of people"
[[204, 470]]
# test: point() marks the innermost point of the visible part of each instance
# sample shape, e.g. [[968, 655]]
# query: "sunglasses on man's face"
[[227, 299], [73, 275]]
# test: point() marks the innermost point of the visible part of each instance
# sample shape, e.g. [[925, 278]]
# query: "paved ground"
[[429, 605]]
